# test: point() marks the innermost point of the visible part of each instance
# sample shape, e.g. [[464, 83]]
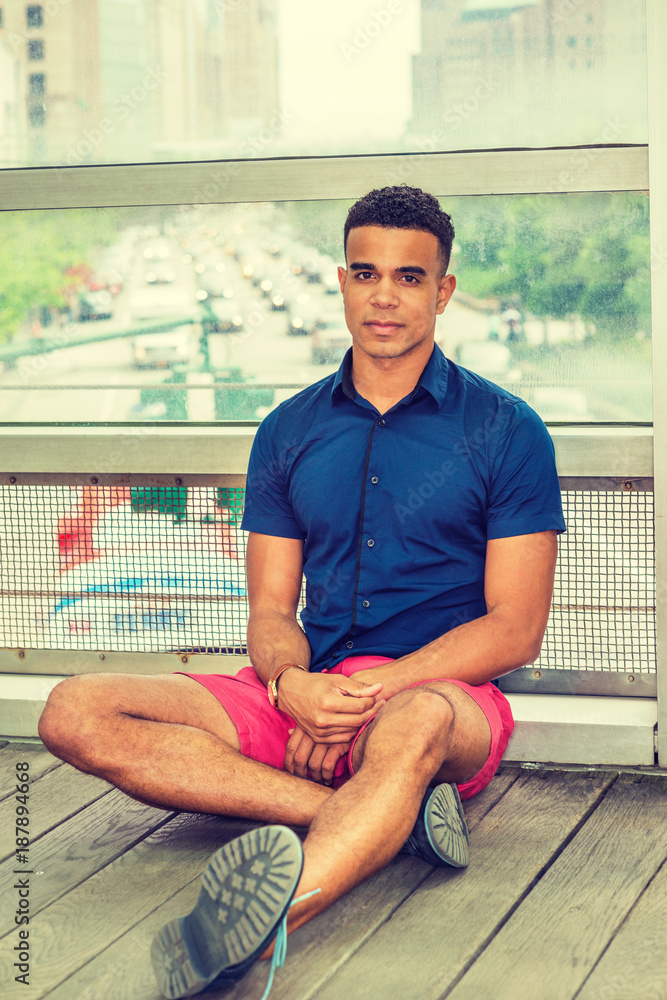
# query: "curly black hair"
[[403, 207]]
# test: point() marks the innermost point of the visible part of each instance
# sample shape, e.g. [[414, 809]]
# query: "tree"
[[36, 250]]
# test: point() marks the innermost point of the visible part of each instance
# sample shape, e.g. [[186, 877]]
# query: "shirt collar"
[[433, 378]]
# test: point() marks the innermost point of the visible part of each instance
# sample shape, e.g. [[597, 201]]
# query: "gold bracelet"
[[272, 686]]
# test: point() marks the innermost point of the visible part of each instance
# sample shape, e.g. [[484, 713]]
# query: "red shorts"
[[264, 732]]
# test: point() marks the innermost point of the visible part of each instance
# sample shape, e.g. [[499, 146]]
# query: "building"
[[554, 61], [10, 121], [112, 81], [59, 97]]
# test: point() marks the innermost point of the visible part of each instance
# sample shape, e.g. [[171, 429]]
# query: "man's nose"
[[384, 293]]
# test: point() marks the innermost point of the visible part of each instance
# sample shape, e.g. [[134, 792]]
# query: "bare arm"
[[518, 585], [274, 568]]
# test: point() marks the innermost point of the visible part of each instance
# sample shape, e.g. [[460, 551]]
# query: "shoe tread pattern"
[[245, 889], [446, 826]]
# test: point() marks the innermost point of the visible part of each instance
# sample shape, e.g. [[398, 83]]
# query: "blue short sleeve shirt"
[[395, 510]]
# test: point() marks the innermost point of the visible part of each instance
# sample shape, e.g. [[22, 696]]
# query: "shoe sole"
[[446, 827], [246, 890]]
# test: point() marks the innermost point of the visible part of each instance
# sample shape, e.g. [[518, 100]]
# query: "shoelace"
[[280, 947]]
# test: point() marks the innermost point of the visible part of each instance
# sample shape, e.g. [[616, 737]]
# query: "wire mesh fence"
[[603, 609], [122, 568], [160, 569]]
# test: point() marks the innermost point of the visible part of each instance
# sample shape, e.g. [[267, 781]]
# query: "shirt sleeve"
[[524, 492], [268, 509]]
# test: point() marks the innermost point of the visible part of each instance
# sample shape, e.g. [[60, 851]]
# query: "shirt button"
[[374, 480], [365, 604], [349, 644], [370, 543], [381, 422]]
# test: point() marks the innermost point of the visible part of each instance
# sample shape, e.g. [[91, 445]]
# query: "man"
[[421, 502]]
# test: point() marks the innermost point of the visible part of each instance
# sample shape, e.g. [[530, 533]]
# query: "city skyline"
[[163, 80]]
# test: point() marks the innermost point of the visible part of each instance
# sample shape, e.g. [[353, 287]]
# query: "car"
[[330, 341], [162, 350], [228, 316], [165, 301], [95, 305], [160, 273], [159, 250], [305, 315], [214, 285]]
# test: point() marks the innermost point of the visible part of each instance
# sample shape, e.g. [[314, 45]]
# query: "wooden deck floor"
[[565, 896]]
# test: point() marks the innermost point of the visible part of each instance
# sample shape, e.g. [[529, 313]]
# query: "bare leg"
[[421, 735], [167, 741]]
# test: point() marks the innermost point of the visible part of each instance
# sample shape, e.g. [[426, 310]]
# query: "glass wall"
[[141, 314], [166, 80]]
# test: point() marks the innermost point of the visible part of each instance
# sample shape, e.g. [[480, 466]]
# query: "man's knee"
[[421, 717], [67, 722]]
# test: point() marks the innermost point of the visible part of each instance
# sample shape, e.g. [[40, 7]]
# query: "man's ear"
[[445, 291], [342, 275]]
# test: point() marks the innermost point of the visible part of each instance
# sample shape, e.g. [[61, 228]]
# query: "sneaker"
[[247, 889], [440, 835]]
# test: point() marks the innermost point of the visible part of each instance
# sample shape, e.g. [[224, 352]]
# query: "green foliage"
[[554, 255], [559, 255], [36, 250]]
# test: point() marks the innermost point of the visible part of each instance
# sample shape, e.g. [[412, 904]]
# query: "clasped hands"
[[328, 709]]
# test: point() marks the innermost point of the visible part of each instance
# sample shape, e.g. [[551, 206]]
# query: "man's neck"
[[385, 381]]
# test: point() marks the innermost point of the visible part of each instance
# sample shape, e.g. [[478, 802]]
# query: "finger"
[[315, 763], [331, 758], [291, 748], [357, 689], [353, 707], [350, 714], [302, 756]]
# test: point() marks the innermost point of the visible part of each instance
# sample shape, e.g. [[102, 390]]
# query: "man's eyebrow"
[[407, 269], [412, 269]]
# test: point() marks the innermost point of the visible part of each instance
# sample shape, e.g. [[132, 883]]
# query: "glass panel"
[[219, 313], [142, 81]]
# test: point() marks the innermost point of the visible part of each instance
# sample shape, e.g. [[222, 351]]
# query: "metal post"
[[656, 33]]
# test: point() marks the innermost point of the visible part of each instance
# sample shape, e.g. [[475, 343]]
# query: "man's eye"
[[410, 279], [364, 274]]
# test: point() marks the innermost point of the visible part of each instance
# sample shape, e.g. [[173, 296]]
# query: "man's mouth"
[[381, 326]]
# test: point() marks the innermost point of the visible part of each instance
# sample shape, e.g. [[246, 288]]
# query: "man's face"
[[393, 290]]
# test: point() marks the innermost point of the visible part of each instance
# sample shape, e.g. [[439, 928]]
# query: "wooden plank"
[[35, 754], [82, 923], [77, 848], [123, 971], [52, 798], [579, 903], [634, 967], [431, 939]]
